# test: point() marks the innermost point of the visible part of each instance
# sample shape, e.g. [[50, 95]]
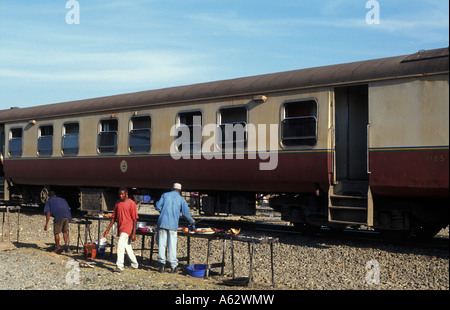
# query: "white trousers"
[[124, 245], [167, 237]]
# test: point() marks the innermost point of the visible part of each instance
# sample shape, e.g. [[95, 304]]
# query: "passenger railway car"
[[363, 143]]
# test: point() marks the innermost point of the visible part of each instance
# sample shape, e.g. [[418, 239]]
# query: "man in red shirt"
[[125, 213]]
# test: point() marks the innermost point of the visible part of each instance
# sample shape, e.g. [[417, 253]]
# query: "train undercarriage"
[[394, 217]]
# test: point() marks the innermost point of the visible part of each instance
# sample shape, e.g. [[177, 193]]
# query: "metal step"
[[2, 188], [350, 209], [351, 188], [348, 222]]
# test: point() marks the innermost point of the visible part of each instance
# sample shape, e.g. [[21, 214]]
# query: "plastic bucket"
[[90, 250], [198, 270], [101, 247]]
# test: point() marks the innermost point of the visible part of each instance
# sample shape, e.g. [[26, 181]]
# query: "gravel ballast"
[[301, 263]]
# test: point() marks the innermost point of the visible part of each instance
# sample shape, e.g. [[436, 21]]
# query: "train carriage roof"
[[421, 63]]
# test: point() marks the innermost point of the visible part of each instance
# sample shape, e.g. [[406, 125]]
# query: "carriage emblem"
[[123, 166]]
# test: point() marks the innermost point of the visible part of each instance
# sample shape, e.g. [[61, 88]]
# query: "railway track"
[[347, 234]]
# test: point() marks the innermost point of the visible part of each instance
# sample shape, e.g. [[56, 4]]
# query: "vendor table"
[[208, 237], [251, 241], [99, 236], [6, 210], [87, 230]]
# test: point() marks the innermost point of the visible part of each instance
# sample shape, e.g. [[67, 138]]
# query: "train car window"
[[70, 138], [107, 137], [299, 124], [233, 122], [45, 140], [193, 121], [15, 142], [140, 134]]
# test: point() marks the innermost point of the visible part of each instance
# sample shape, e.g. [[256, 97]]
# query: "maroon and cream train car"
[[350, 144]]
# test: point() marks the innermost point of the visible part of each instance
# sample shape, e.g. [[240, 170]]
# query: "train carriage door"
[[2, 148], [2, 157], [351, 120], [348, 197]]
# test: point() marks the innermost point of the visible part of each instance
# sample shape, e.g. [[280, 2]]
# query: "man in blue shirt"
[[170, 206], [60, 211]]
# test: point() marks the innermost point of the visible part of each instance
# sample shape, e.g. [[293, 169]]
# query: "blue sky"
[[133, 45]]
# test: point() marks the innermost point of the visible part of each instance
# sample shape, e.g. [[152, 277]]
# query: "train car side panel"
[[409, 137], [298, 168], [295, 173], [2, 148]]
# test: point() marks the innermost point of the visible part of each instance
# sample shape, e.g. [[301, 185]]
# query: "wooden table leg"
[[251, 251], [232, 256], [188, 250], [207, 259], [223, 256], [271, 262], [142, 247], [151, 249]]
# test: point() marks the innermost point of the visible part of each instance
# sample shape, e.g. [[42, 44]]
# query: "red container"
[[90, 250]]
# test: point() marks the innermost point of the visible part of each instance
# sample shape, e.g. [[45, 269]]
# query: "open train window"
[[15, 142], [140, 134], [299, 123], [191, 121], [232, 122], [107, 136], [70, 139], [45, 140]]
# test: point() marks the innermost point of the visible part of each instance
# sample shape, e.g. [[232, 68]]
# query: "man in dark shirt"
[[60, 211]]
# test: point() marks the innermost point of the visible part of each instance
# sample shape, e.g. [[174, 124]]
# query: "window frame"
[[63, 136], [42, 138], [10, 138], [178, 125], [114, 147], [309, 140], [130, 132], [221, 142]]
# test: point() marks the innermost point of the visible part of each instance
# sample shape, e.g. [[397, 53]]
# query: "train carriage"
[[362, 143]]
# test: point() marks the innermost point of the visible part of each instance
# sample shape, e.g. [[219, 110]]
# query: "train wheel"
[[44, 195]]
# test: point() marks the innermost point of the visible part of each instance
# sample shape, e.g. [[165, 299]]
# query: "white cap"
[[177, 186]]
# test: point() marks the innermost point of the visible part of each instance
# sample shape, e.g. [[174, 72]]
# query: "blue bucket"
[[198, 270]]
